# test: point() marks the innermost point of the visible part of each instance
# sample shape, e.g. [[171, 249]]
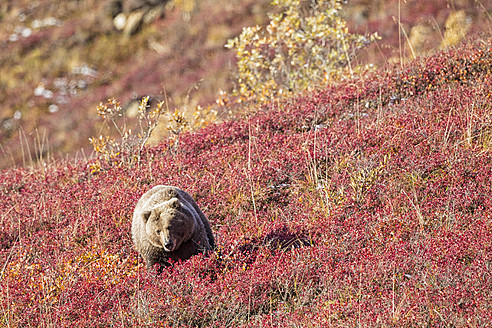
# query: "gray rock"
[[119, 22], [133, 23]]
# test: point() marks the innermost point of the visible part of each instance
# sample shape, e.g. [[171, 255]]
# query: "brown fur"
[[169, 225]]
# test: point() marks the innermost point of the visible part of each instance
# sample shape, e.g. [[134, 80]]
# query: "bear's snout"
[[169, 246]]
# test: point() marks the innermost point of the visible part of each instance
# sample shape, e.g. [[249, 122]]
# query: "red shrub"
[[367, 203]]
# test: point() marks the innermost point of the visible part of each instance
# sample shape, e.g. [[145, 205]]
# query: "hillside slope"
[[60, 59], [367, 203]]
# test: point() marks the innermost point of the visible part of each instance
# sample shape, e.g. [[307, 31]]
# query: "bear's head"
[[168, 225]]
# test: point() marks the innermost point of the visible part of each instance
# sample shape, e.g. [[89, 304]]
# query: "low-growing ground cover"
[[60, 59], [366, 203]]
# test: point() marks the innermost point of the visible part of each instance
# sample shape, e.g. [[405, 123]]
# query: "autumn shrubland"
[[61, 59], [364, 201]]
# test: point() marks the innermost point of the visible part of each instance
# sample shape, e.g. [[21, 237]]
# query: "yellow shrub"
[[305, 43]]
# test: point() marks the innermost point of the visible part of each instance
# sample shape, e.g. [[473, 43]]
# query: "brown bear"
[[169, 225]]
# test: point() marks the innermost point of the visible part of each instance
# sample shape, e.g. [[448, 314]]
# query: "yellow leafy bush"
[[305, 43]]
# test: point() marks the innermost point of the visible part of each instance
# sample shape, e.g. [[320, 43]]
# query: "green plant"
[[177, 124], [128, 149], [305, 43]]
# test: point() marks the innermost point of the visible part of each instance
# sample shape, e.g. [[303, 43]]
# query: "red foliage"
[[367, 203]]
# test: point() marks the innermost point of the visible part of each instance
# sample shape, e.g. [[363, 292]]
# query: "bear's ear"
[[174, 203], [146, 215]]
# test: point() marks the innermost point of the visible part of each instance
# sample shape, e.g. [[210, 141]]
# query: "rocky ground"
[[60, 59]]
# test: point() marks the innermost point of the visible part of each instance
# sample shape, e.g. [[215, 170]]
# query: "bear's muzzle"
[[168, 246]]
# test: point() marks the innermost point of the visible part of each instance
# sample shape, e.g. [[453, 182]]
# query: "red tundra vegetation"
[[366, 203]]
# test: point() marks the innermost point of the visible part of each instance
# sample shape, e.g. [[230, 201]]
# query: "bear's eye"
[[158, 232]]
